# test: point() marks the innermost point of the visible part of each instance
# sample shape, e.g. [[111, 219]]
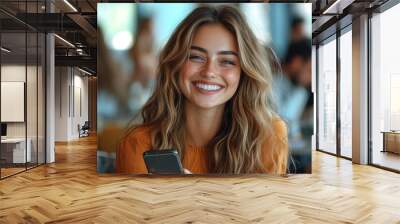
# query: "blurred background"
[[131, 35]]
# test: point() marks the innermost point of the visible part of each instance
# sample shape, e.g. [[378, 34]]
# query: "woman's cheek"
[[188, 70], [232, 78]]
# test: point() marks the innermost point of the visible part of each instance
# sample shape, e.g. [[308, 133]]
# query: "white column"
[[314, 91], [50, 99], [360, 90], [50, 92]]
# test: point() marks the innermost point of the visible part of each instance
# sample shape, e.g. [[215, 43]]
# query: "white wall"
[[13, 73], [61, 103], [71, 94]]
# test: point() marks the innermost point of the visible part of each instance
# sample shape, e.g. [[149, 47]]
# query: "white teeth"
[[207, 86]]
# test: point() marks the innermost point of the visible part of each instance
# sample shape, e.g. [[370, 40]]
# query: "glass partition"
[[14, 154], [31, 100], [22, 77]]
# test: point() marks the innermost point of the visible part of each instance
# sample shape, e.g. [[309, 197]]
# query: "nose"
[[210, 69]]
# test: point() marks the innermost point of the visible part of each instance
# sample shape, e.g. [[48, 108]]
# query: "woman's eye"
[[228, 62], [196, 58]]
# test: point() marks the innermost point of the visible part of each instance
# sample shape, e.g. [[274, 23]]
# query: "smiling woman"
[[211, 75], [211, 101]]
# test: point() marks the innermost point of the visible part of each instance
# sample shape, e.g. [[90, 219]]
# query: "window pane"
[[327, 97], [385, 86], [346, 94]]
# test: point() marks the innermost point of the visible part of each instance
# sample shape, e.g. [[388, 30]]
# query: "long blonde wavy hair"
[[237, 147]]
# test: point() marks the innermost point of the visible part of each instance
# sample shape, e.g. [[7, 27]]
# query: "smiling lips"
[[207, 87]]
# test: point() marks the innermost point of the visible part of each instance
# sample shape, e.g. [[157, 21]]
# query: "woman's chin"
[[207, 104]]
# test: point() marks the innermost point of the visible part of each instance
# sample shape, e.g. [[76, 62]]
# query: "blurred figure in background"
[[293, 98], [291, 87], [109, 99], [117, 107], [145, 65], [297, 29]]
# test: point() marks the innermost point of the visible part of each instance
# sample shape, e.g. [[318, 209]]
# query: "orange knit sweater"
[[130, 152]]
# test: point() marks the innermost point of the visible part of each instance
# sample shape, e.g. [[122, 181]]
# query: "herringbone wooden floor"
[[70, 191]]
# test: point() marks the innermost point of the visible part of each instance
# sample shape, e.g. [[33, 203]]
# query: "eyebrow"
[[220, 52]]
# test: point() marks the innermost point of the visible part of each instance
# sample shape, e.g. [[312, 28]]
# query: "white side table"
[[19, 155]]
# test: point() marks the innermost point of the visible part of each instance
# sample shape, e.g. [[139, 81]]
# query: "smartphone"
[[164, 161]]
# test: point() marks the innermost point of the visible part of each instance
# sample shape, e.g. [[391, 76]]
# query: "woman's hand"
[[186, 171]]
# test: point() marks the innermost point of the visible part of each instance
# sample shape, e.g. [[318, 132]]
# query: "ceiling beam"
[[337, 6], [83, 61], [84, 24]]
